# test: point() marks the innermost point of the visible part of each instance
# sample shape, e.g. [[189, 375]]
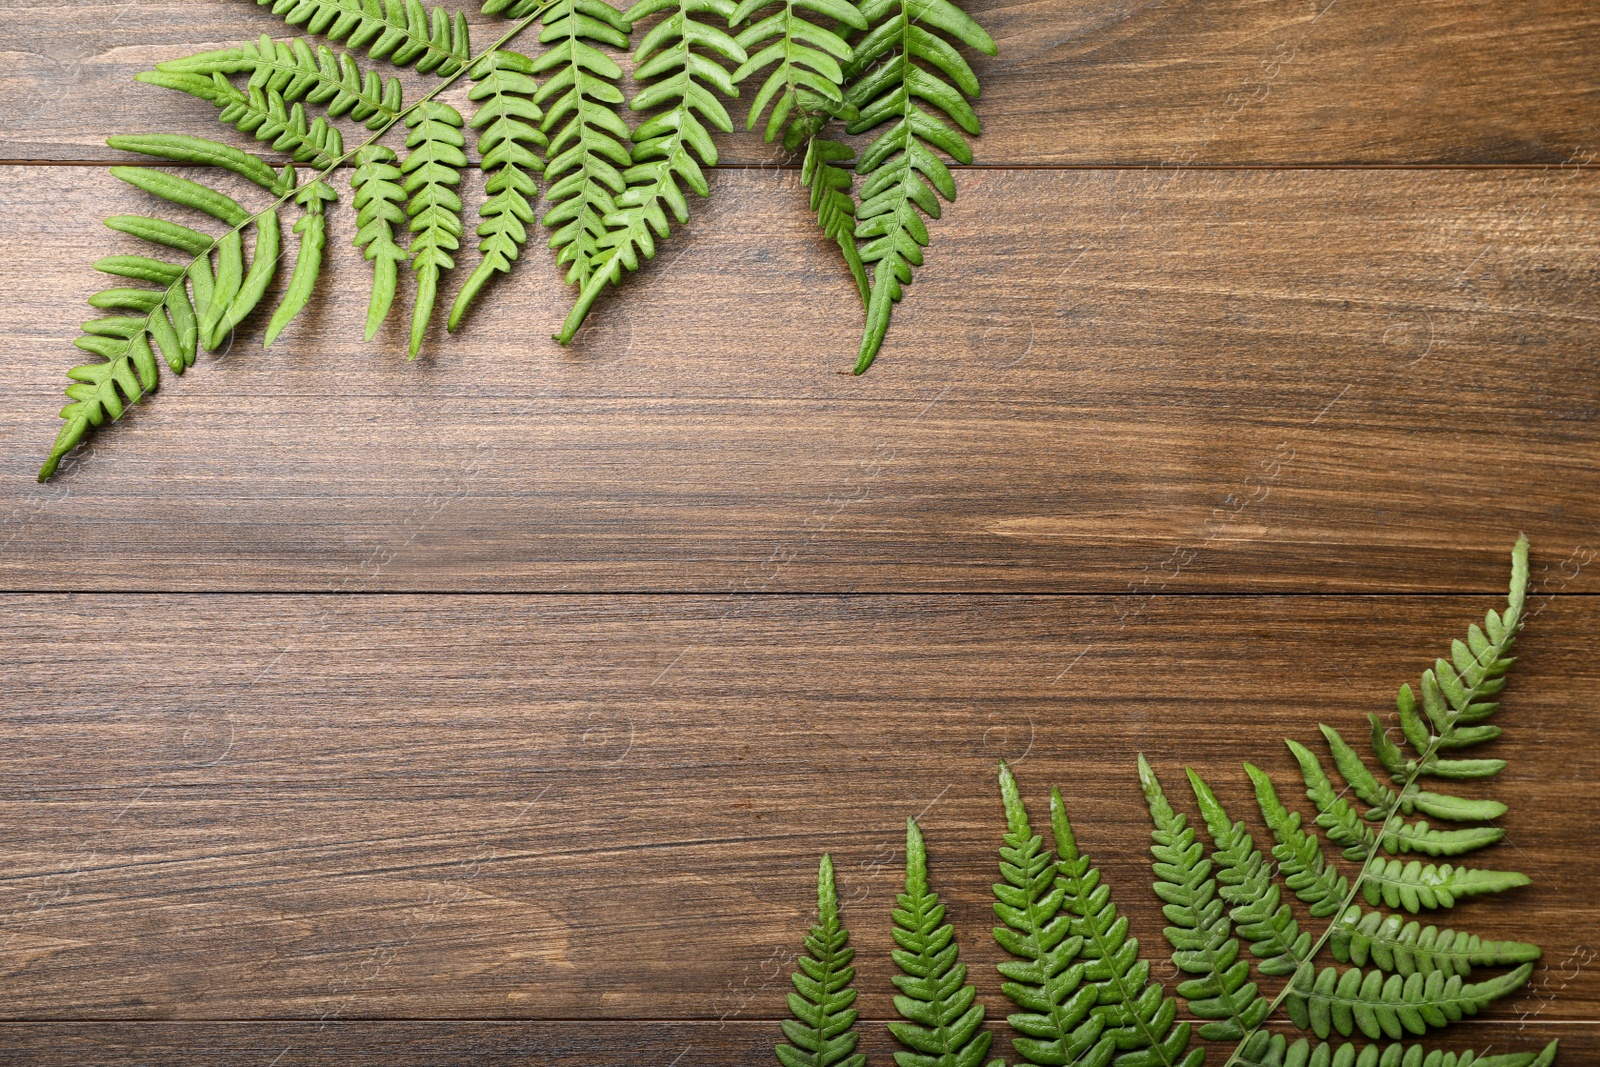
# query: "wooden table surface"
[[494, 708]]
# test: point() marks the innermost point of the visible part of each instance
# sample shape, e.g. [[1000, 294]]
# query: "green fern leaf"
[[1043, 981], [1201, 933], [261, 113], [1275, 1050], [331, 80], [671, 146], [165, 319], [943, 1021], [400, 31], [1141, 1023], [1432, 990], [1404, 948], [905, 75], [509, 141], [432, 171], [1345, 1000], [312, 228], [832, 201], [380, 198], [822, 1032]]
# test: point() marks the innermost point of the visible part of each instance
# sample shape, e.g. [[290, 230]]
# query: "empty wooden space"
[[495, 708]]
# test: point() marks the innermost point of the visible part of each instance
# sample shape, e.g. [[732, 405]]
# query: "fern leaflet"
[[312, 229], [830, 186], [669, 147], [900, 62], [588, 141], [431, 172], [329, 79], [165, 318], [822, 1032], [509, 142], [400, 31], [943, 1020], [380, 206], [262, 113], [808, 77], [1201, 933]]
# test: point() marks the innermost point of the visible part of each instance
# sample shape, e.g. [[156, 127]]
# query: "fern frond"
[[822, 1032], [312, 229], [432, 171], [943, 1020], [671, 146], [835, 207], [1432, 991], [165, 319], [509, 141], [807, 57], [181, 148], [331, 80], [380, 207], [1141, 1023], [1201, 933], [401, 31], [901, 65], [1345, 1000], [1277, 1051], [261, 113], [1044, 981]]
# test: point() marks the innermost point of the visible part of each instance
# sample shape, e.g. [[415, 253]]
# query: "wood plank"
[[365, 1043], [1103, 82], [220, 807], [1168, 381]]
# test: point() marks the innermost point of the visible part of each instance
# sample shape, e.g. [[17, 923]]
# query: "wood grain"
[[1099, 82], [735, 1043], [526, 808], [1172, 381], [611, 807]]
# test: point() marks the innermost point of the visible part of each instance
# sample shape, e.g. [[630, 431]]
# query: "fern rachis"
[[900, 169]]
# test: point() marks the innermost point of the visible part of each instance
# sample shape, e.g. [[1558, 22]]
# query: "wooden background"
[[494, 708]]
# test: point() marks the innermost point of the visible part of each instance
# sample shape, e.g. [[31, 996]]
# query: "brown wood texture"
[[494, 708], [1093, 82], [586, 807], [1183, 380]]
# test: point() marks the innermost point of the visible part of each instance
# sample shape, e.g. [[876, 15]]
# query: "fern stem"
[[1513, 624]]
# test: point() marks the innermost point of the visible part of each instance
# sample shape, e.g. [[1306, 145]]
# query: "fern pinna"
[[822, 1032], [943, 1020], [1363, 987]]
